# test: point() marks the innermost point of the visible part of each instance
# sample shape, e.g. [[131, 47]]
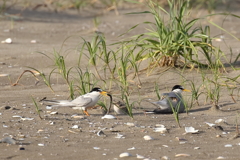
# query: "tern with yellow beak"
[[82, 102], [170, 101]]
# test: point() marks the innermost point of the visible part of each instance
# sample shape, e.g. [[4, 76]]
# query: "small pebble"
[[41, 144], [96, 148]]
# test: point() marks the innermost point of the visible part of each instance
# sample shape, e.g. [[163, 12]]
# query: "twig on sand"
[[34, 74]]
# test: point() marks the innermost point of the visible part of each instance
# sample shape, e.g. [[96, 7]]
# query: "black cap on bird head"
[[181, 88], [177, 87], [96, 89]]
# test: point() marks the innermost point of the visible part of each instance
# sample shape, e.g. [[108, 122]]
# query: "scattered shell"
[[220, 157], [210, 124], [108, 116], [51, 123], [161, 129], [29, 119], [130, 124], [54, 113], [4, 75], [125, 154], [17, 116], [196, 148], [218, 136], [8, 41], [218, 39], [119, 136], [0, 114], [190, 130], [133, 148], [228, 145], [148, 138], [100, 133], [75, 127], [5, 126], [48, 107], [165, 145], [219, 121], [96, 148], [8, 140], [77, 116], [165, 158], [33, 41], [182, 155], [140, 156], [41, 144], [40, 130]]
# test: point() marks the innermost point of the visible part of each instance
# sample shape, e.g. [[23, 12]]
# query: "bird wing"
[[58, 103], [82, 101]]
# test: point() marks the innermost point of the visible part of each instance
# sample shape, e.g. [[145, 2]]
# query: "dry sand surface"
[[54, 138]]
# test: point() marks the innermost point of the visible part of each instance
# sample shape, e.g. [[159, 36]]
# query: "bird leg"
[[85, 111]]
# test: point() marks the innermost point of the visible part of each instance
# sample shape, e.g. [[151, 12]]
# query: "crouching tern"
[[170, 101], [82, 102]]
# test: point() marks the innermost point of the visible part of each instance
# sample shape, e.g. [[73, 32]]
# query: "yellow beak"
[[186, 90], [103, 93]]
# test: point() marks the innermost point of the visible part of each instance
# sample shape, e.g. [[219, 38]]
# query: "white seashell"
[[190, 130], [4, 75], [140, 156], [125, 154], [182, 155], [33, 41], [77, 116], [52, 113], [133, 148], [0, 114], [130, 124], [228, 145], [165, 158], [148, 138], [210, 124], [96, 148], [220, 157], [5, 126], [100, 133], [17, 116], [8, 41], [161, 130], [51, 123], [196, 148], [119, 136], [219, 121], [41, 144], [108, 116], [165, 145], [48, 107], [27, 119], [75, 127]]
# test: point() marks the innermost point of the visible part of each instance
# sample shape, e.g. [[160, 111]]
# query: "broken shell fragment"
[[219, 121], [7, 41], [148, 138], [190, 130], [182, 155], [125, 154], [210, 124], [108, 116], [140, 156], [75, 127]]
